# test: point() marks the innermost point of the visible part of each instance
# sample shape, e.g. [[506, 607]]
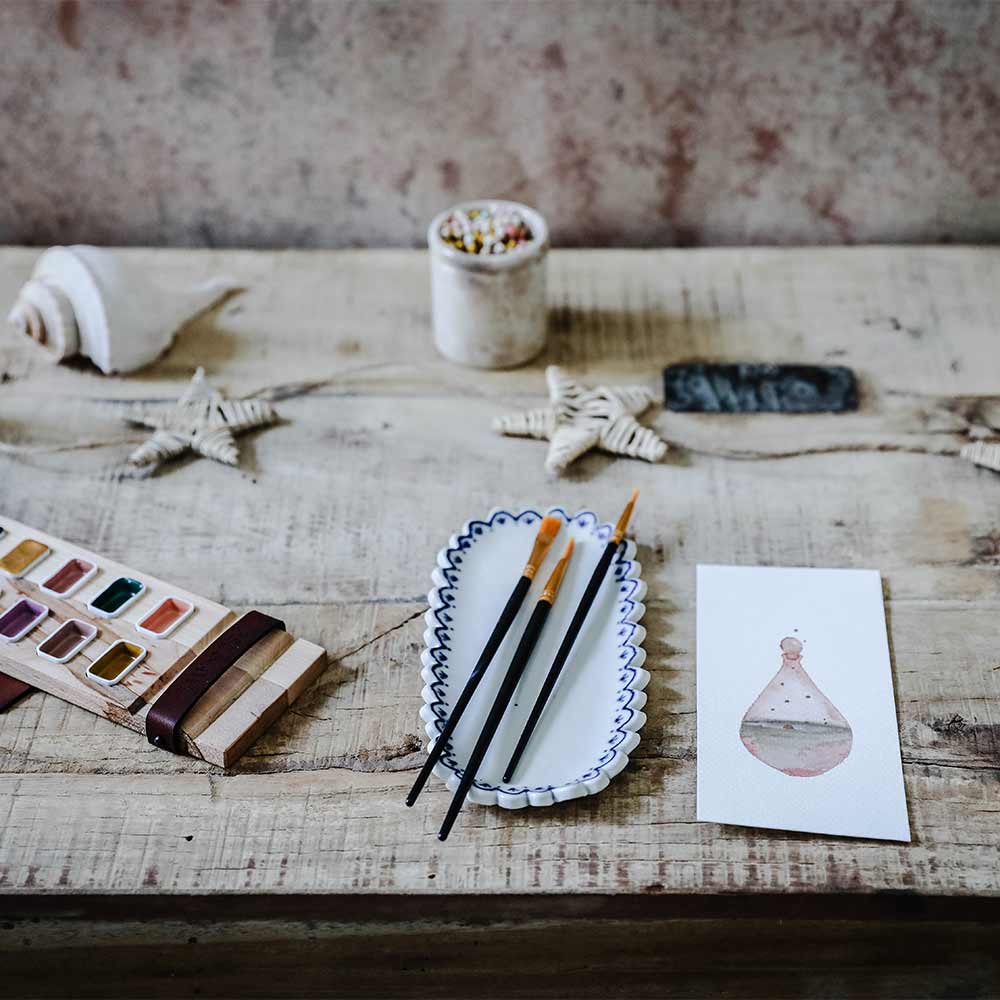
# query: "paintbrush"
[[525, 648], [546, 535], [579, 617]]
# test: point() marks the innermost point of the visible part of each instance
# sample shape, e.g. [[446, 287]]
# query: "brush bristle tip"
[[550, 527]]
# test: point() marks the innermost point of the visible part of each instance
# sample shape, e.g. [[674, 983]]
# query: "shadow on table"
[[646, 338]]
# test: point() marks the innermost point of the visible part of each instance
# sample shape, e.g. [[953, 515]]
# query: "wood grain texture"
[[501, 946], [341, 549], [261, 703]]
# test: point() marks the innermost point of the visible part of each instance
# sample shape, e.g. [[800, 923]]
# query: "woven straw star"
[[579, 418], [202, 421]]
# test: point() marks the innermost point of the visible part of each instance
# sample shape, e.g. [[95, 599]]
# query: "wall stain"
[[767, 145], [553, 57], [405, 179], [678, 165], [67, 18], [676, 124], [203, 80], [295, 31], [904, 42], [824, 204], [451, 175]]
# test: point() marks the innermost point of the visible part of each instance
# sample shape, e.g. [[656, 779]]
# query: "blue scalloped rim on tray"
[[632, 679]]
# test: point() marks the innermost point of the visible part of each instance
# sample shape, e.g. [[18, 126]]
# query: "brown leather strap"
[[10, 690], [165, 715]]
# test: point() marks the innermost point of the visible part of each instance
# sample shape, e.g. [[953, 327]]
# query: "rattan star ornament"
[[202, 421], [579, 418]]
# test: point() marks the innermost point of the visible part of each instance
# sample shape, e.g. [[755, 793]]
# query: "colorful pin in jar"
[[488, 283]]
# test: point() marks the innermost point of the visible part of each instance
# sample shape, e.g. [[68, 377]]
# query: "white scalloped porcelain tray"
[[592, 720]]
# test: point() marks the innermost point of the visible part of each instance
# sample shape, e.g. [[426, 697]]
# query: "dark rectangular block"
[[698, 387]]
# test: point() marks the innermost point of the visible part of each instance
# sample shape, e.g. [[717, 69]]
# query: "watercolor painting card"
[[796, 715]]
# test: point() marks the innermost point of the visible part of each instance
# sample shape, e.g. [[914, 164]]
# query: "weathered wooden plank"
[[334, 517], [927, 521], [334, 776], [944, 664], [503, 947], [348, 831], [306, 314]]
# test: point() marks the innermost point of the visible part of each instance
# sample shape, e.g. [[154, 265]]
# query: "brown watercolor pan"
[[67, 641], [69, 578], [165, 618]]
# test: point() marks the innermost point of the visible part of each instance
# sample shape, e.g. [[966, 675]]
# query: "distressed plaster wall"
[[311, 123]]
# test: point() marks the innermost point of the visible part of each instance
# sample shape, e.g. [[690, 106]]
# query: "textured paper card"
[[796, 715]]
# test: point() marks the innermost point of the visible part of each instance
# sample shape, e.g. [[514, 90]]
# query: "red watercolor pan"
[[69, 578], [165, 618]]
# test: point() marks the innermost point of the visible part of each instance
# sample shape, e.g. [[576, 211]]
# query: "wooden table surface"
[[333, 520]]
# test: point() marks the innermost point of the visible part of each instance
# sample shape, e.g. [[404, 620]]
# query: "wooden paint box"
[[251, 693]]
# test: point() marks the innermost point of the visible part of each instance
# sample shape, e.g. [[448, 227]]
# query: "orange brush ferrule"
[[619, 532], [554, 581], [545, 537]]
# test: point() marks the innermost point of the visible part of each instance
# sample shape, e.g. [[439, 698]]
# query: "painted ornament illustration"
[[792, 726]]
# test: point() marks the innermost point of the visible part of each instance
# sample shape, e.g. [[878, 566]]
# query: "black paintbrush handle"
[[497, 636], [579, 617], [524, 650]]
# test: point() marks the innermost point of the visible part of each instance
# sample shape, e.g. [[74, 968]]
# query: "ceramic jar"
[[489, 311]]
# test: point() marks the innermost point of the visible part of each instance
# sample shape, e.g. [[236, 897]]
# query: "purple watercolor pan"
[[20, 619]]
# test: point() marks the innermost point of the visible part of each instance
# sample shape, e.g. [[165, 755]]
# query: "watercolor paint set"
[[191, 675]]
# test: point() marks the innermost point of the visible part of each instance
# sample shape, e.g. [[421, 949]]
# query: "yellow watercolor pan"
[[115, 662], [23, 557]]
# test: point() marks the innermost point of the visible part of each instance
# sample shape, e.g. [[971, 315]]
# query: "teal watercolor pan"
[[116, 597]]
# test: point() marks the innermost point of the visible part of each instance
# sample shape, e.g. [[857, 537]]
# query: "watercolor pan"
[[165, 618], [69, 578], [67, 641], [115, 662], [23, 557], [20, 619], [116, 597]]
